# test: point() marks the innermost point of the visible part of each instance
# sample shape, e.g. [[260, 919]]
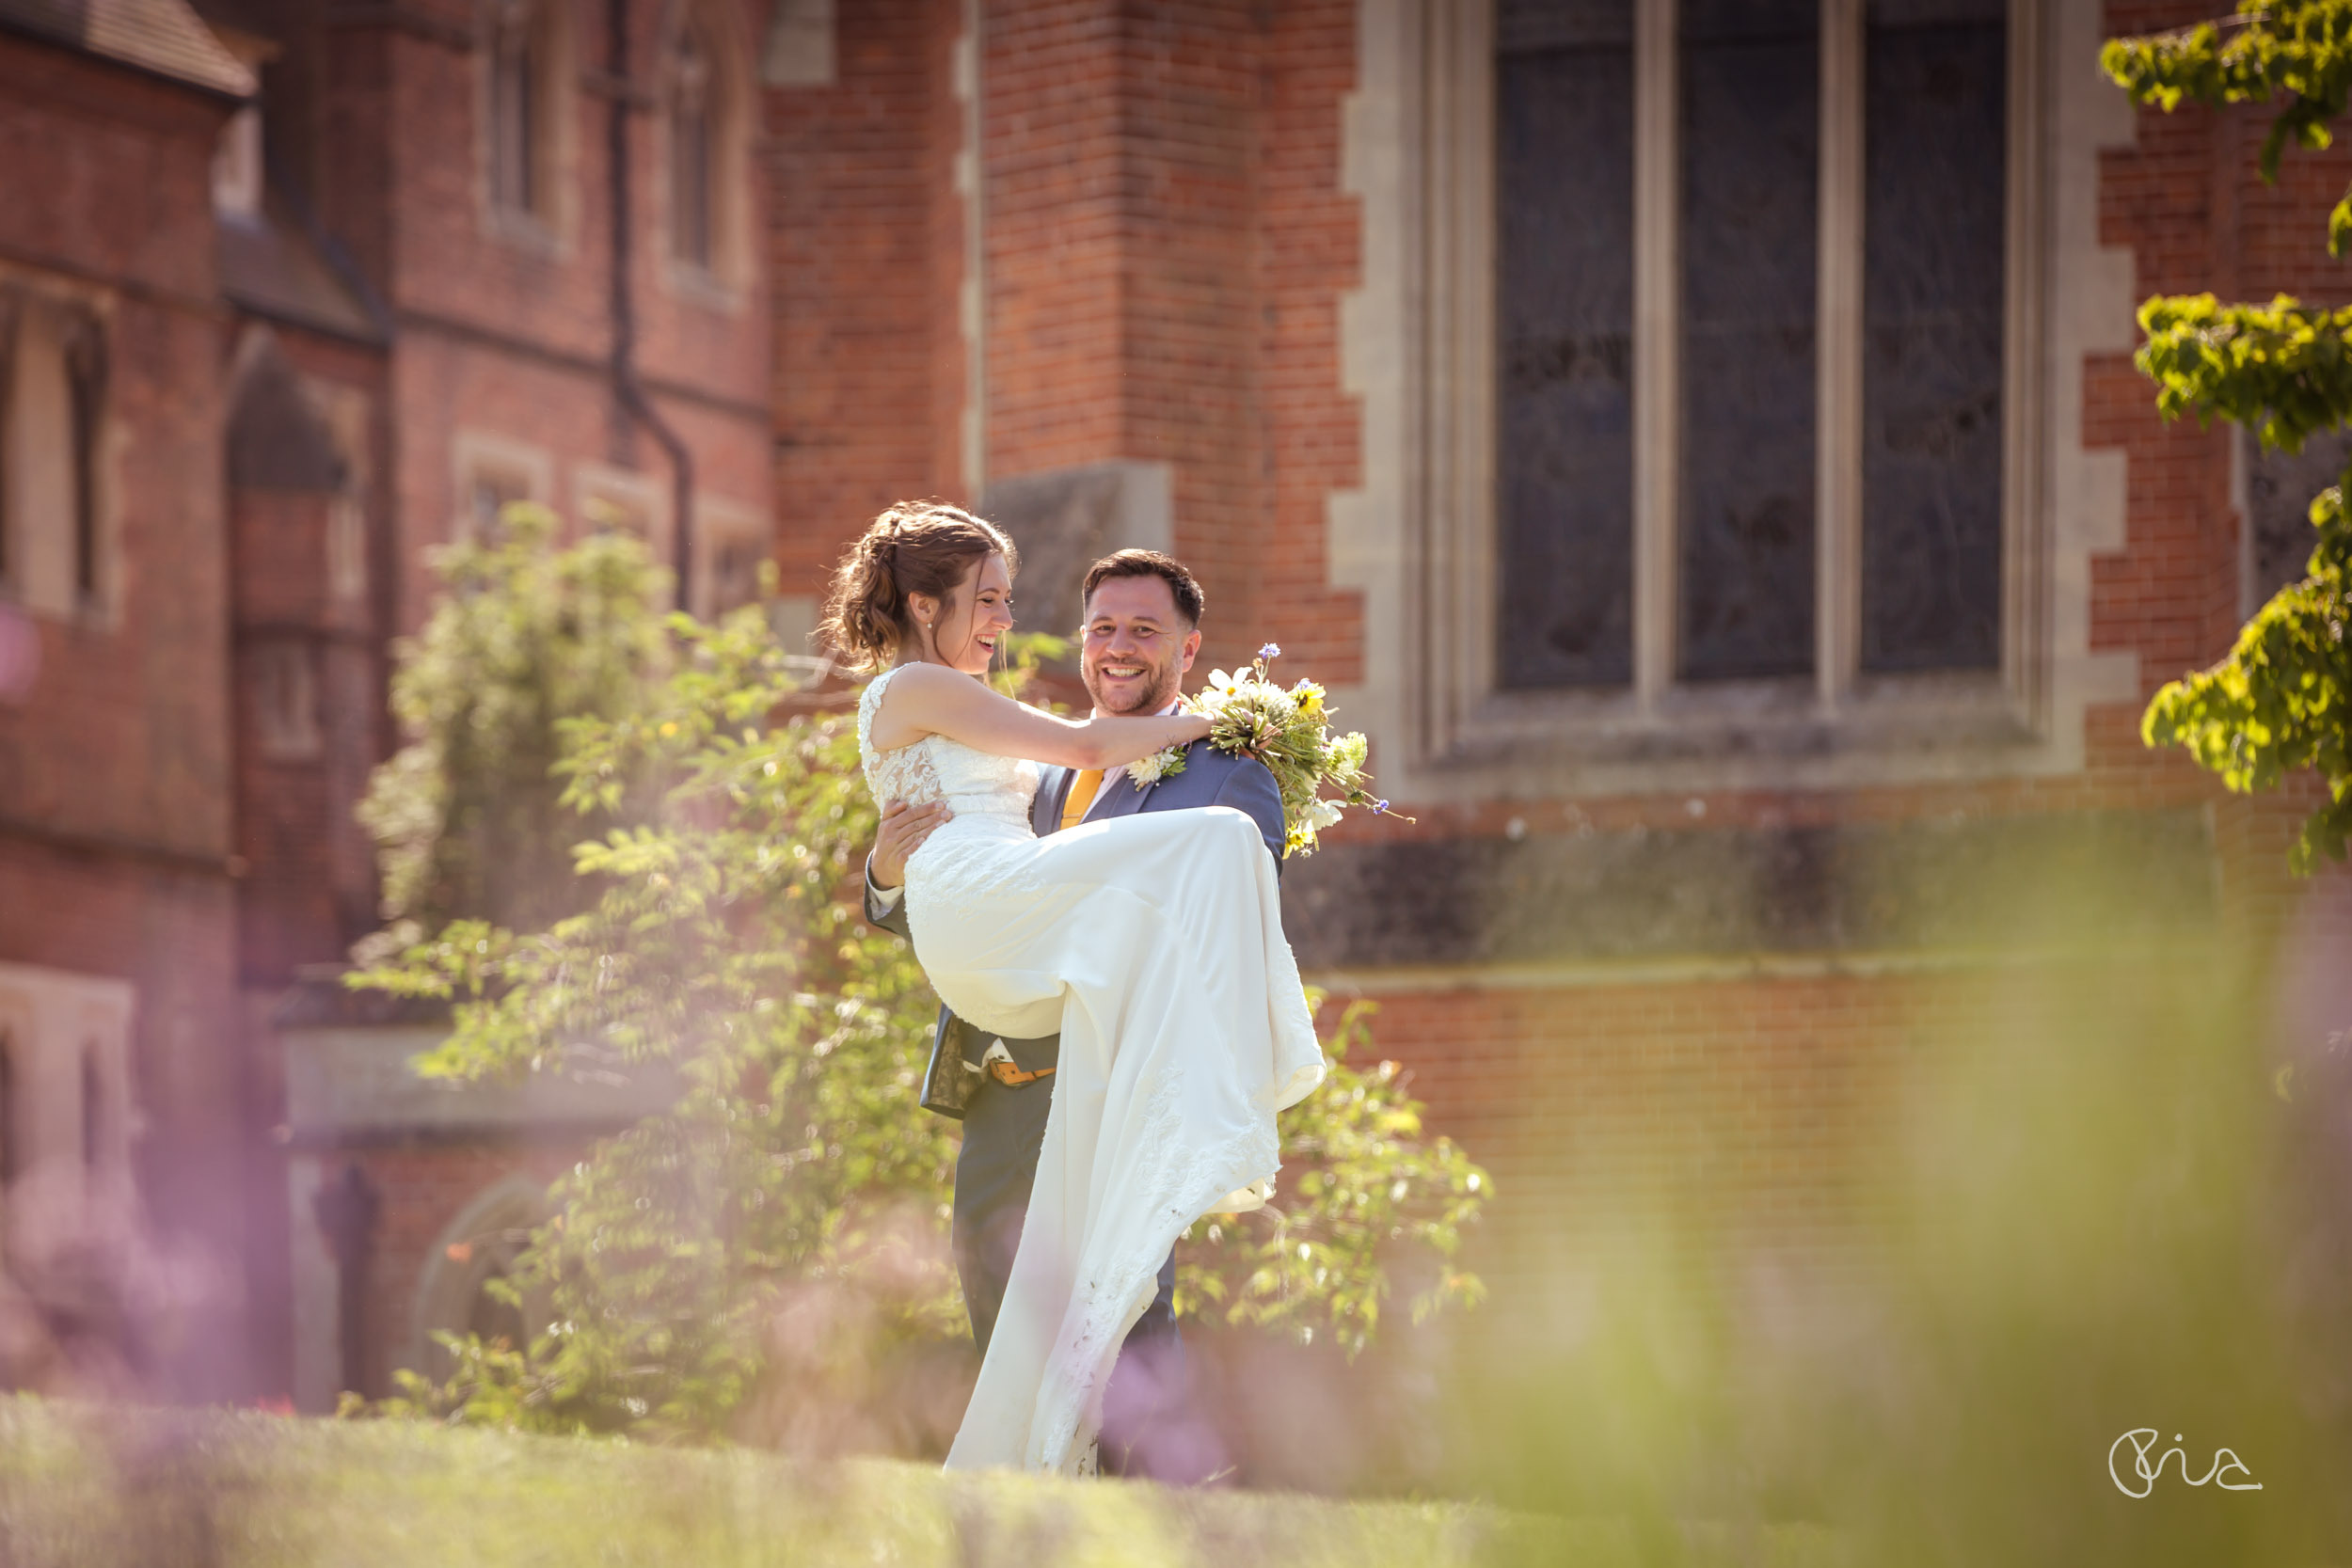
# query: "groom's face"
[[1138, 645]]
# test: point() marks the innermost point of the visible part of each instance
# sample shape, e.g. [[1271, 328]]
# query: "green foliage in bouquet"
[[1288, 730], [2281, 701], [715, 954]]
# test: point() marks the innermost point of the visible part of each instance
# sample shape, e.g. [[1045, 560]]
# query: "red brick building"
[[1701, 450], [442, 314], [1697, 444], [503, 336], [120, 1054], [266, 348]]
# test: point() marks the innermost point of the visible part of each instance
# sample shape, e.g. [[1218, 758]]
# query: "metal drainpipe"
[[626, 386]]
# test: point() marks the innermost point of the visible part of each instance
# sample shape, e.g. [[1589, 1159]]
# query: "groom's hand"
[[903, 829]]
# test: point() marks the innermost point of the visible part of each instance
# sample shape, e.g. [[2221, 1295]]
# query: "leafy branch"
[[2281, 701]]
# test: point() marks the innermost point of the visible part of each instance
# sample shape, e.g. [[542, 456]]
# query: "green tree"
[[717, 956], [524, 637], [2279, 703]]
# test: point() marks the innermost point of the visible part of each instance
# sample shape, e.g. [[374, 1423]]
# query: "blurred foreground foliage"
[[775, 1239], [2281, 701], [88, 1487], [2085, 1204]]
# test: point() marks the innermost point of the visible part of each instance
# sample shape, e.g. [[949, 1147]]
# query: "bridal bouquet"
[[1289, 731]]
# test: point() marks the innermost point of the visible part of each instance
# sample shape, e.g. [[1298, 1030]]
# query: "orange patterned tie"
[[1081, 790]]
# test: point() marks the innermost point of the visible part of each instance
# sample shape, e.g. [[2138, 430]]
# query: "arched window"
[[52, 409], [693, 145], [479, 1247], [706, 162]]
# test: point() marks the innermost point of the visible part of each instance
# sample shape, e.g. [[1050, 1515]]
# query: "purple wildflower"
[[1272, 650], [1380, 808]]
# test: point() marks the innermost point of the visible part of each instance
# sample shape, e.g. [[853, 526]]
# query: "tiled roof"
[[160, 36], [269, 266]]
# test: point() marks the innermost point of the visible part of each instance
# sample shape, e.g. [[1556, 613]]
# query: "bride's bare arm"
[[928, 699]]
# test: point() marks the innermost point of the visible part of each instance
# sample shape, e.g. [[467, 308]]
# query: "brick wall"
[[1307, 242], [500, 335], [1124, 151], [1760, 1101], [864, 255], [1770, 1093], [1168, 243], [115, 767], [507, 329]]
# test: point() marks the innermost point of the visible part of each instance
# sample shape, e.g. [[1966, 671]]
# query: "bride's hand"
[[1196, 725]]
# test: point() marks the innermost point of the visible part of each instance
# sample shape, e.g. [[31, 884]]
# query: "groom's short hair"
[[1147, 563]]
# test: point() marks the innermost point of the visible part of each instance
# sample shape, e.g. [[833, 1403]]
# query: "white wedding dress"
[[1154, 945]]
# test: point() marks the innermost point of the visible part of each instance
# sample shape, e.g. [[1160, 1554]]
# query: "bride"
[[1151, 942]]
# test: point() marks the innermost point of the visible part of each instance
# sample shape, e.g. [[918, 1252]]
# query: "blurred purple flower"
[[1380, 808], [1272, 650]]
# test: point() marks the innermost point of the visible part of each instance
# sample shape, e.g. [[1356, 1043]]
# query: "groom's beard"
[[1163, 690]]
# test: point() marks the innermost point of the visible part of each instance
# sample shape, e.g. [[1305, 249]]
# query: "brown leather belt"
[[1012, 1077]]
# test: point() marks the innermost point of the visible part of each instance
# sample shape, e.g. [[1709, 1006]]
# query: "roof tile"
[[160, 36]]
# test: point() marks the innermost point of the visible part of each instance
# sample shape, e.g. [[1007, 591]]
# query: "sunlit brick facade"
[[1232, 279], [291, 294], [435, 306], [1651, 947], [120, 1040]]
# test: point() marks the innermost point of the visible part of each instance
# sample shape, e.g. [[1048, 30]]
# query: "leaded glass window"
[[1750, 160], [1563, 175], [1934, 148], [1798, 244]]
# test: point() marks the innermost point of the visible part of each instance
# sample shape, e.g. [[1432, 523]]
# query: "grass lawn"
[[83, 1487]]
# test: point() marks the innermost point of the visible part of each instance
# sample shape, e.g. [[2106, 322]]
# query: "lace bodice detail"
[[974, 784]]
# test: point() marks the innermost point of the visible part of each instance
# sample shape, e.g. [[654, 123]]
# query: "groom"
[[1141, 620]]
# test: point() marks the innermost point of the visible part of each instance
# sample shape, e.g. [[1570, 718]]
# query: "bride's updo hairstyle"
[[914, 547]]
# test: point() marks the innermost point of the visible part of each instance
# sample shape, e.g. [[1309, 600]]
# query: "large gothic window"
[[1787, 218]]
